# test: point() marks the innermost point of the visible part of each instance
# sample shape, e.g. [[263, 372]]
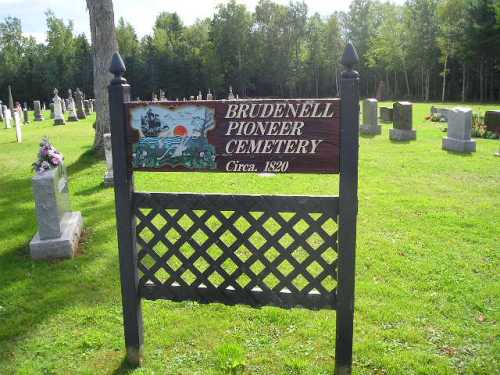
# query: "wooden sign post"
[[237, 249]]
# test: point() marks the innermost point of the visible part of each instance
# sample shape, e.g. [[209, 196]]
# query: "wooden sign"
[[256, 136]]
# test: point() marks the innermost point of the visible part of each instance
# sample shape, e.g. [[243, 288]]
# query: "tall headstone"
[[162, 95], [59, 229], [80, 111], [459, 131], [58, 113], [370, 124], [17, 123], [209, 95], [26, 119], [86, 105], [1, 111], [51, 106], [71, 107], [7, 117], [385, 114], [63, 105], [230, 95], [200, 96], [402, 122], [108, 176], [38, 110], [11, 101]]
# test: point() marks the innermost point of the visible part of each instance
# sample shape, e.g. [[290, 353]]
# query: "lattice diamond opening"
[[256, 250]]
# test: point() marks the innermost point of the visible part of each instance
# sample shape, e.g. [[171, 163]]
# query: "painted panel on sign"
[[297, 136]]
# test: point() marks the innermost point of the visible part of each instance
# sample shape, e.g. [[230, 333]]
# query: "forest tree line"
[[422, 50]]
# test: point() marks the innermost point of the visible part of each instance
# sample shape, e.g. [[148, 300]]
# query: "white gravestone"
[[58, 113], [370, 124], [59, 229], [7, 117], [71, 108], [108, 153], [459, 131], [17, 123]]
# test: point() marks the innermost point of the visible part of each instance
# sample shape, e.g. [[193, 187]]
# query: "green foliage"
[[230, 358]]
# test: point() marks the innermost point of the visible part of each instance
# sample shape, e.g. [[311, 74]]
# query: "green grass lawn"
[[427, 293]]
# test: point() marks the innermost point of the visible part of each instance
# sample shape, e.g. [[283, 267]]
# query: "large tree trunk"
[[102, 29], [464, 76]]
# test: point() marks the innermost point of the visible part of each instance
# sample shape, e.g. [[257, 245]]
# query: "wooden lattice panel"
[[238, 249]]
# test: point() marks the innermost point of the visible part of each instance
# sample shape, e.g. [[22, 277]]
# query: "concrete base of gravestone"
[[108, 179], [63, 247], [371, 130], [59, 121], [458, 145], [402, 135]]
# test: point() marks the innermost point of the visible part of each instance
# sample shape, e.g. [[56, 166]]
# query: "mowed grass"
[[427, 292]]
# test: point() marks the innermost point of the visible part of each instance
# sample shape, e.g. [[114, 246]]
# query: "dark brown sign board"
[[255, 136]]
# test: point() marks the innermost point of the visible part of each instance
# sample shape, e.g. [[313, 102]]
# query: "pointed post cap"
[[349, 59], [117, 68]]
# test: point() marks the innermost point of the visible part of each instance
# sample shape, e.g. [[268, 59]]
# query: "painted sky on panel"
[[140, 13]]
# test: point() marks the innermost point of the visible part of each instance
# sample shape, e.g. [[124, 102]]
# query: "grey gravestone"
[[459, 130], [17, 123], [230, 95], [71, 108], [38, 110], [386, 114], [86, 105], [7, 117], [370, 124], [402, 122], [51, 106], [58, 113], [108, 177], [440, 113], [63, 105], [209, 96], [200, 96], [80, 111], [59, 229], [26, 119]]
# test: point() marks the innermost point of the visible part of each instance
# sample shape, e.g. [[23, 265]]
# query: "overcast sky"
[[140, 13]]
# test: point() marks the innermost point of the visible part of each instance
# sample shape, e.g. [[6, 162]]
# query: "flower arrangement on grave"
[[48, 157]]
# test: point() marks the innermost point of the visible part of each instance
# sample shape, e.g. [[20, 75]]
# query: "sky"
[[140, 13]]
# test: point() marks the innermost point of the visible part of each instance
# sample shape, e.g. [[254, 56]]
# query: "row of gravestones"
[[209, 96], [401, 115], [76, 108]]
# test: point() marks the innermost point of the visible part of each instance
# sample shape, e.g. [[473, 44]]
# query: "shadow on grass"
[[124, 368], [369, 136], [91, 190], [394, 142], [463, 154], [86, 160]]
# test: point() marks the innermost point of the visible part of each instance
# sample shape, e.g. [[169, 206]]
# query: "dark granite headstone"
[[386, 114], [492, 121]]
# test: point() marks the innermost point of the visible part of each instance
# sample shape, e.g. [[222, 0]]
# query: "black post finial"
[[349, 59], [117, 68]]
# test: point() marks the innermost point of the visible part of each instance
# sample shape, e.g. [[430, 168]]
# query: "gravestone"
[[11, 101], [92, 105], [459, 131], [440, 114], [402, 122], [162, 95], [58, 113], [59, 229], [370, 124], [86, 105], [63, 106], [230, 96], [38, 110], [72, 117], [17, 123], [386, 114], [26, 119], [492, 121], [51, 106], [80, 111], [108, 176], [209, 96], [200, 96], [7, 117], [1, 111]]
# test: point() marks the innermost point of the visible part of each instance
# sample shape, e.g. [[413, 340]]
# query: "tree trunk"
[[481, 81], [464, 76], [102, 30], [444, 78]]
